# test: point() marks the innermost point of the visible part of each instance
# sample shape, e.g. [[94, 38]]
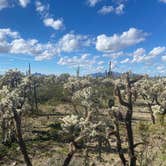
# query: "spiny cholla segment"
[[74, 124], [83, 92], [75, 84], [87, 97], [153, 90], [14, 99]]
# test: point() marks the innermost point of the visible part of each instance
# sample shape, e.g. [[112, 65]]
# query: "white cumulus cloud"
[[119, 9], [125, 61], [110, 9], [140, 54], [92, 3], [70, 42], [82, 61], [13, 3], [24, 3], [6, 35], [117, 42], [157, 51], [55, 24], [11, 42], [106, 10], [48, 20], [85, 61]]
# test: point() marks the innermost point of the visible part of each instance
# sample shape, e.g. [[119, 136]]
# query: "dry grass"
[[46, 149]]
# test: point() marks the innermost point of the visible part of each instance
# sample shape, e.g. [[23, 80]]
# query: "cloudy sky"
[[56, 36]]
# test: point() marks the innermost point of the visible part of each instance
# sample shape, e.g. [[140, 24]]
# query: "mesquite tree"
[[127, 101], [12, 106]]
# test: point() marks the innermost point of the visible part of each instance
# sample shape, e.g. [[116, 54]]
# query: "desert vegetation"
[[88, 121]]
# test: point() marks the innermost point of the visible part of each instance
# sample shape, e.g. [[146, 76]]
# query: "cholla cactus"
[[127, 101], [83, 95], [12, 100], [75, 84], [12, 78], [118, 82], [11, 106], [71, 125], [107, 81], [153, 93], [156, 109], [159, 113], [83, 129], [87, 97]]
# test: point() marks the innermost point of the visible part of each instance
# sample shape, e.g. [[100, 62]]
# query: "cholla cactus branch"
[[136, 79], [121, 101], [128, 118], [12, 103], [113, 114]]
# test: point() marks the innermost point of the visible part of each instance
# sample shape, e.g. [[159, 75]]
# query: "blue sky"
[[56, 36]]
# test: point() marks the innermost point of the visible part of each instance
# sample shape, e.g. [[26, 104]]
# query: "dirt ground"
[[47, 149]]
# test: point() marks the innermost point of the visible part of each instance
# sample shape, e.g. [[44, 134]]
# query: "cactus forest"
[[68, 120], [82, 83]]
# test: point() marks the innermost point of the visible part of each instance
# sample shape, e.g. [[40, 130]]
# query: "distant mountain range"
[[100, 74], [114, 74], [38, 74]]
